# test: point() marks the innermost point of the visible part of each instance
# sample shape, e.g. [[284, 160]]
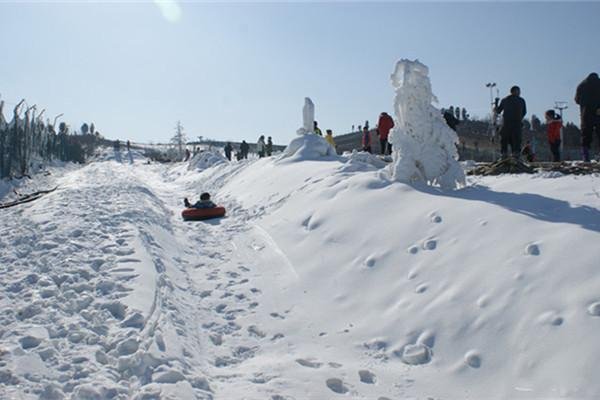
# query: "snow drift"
[[206, 159]]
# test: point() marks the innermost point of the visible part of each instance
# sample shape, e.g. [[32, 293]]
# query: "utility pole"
[[493, 115], [560, 106]]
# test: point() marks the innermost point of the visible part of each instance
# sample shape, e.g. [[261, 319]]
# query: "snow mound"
[[364, 157], [308, 147], [205, 160], [424, 146]]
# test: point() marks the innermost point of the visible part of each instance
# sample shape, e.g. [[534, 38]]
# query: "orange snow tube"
[[198, 214]]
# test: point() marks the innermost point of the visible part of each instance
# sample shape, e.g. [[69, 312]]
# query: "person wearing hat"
[[204, 202]]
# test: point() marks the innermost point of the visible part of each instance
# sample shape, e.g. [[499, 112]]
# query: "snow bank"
[[445, 290], [308, 147], [424, 146], [206, 159]]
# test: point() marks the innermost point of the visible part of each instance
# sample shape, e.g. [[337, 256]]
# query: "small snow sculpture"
[[307, 146], [308, 117], [424, 146]]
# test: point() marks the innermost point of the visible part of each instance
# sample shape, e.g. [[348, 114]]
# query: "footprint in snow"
[[435, 218], [413, 249], [421, 288], [429, 244], [594, 309], [309, 363], [254, 331], [367, 376], [473, 359], [336, 385], [532, 249]]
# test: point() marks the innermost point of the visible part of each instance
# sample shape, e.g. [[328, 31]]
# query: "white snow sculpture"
[[307, 146], [308, 117], [424, 146]]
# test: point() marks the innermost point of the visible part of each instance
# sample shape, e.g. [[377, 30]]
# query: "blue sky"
[[237, 70]]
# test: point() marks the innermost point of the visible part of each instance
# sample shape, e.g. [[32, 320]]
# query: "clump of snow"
[[205, 160], [424, 146], [363, 157], [308, 147]]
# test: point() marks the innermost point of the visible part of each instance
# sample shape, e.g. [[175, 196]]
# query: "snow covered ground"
[[325, 280]]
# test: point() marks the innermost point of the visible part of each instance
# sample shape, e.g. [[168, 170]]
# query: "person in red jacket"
[[366, 140], [384, 126], [554, 125]]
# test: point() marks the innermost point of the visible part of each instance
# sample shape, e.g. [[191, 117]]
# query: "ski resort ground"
[[325, 280]]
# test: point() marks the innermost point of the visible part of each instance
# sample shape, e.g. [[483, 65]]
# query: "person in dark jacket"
[[244, 147], [451, 120], [384, 126], [269, 147], [514, 110], [228, 149], [588, 98], [204, 202]]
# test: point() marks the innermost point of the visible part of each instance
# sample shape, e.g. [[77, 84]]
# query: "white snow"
[[327, 279], [424, 146], [206, 159]]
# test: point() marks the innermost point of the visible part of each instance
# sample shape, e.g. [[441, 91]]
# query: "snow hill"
[[325, 280]]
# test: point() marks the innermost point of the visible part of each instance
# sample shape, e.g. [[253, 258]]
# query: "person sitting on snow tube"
[[204, 202]]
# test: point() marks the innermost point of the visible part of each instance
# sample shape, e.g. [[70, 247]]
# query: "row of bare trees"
[[26, 142]]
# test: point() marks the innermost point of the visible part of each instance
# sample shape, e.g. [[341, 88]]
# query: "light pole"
[[493, 115]]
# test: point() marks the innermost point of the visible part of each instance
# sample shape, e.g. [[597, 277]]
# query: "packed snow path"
[[109, 294]]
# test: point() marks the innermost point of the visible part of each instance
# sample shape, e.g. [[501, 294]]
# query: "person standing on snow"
[[384, 126], [329, 138], [260, 146], [244, 148], [366, 140], [514, 110], [553, 127], [588, 98], [228, 149], [317, 129], [269, 146]]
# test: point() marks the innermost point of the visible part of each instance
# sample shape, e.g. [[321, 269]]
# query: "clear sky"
[[234, 71]]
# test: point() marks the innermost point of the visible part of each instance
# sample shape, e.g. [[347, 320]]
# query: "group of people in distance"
[[514, 109], [264, 149], [384, 126]]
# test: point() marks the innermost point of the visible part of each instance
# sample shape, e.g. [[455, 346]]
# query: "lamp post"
[[493, 115]]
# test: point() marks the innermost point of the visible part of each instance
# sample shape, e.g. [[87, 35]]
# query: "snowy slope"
[[325, 280]]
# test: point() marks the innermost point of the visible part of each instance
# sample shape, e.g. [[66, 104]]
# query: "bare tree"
[[179, 139]]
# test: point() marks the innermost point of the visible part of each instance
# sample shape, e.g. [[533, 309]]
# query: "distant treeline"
[[26, 142]]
